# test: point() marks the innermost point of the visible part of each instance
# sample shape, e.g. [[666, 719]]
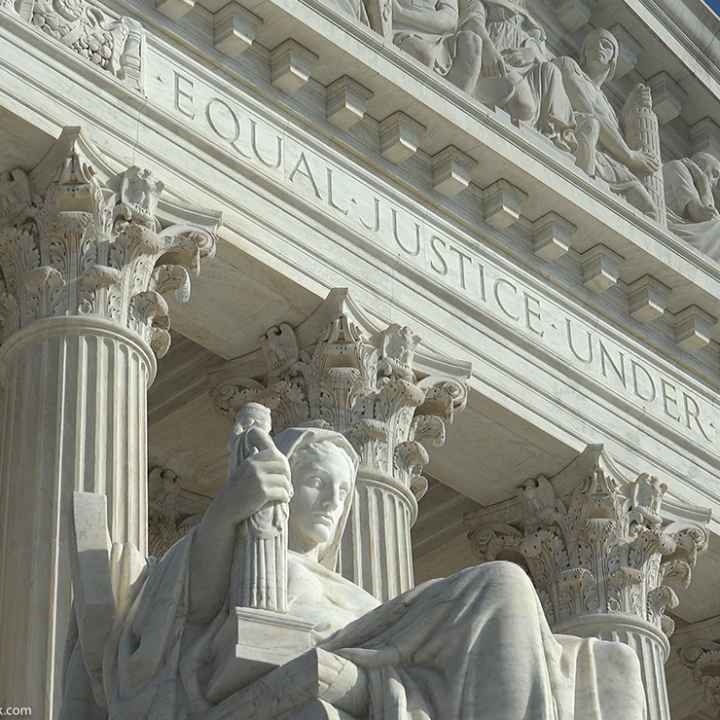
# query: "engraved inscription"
[[401, 233]]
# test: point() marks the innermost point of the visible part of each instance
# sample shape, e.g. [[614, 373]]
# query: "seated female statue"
[[475, 646]]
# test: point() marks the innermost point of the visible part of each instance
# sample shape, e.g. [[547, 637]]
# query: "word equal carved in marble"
[[335, 651]]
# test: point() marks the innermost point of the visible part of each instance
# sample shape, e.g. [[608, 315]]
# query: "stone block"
[[291, 66], [399, 137], [693, 328], [668, 97], [600, 268], [451, 170], [630, 50], [705, 137], [502, 204], [647, 298], [234, 29], [174, 9], [574, 14], [346, 102], [552, 234]]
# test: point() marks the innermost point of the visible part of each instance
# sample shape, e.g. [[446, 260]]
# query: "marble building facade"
[[474, 245]]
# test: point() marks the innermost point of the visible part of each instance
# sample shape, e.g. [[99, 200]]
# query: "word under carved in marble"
[[77, 248], [496, 51], [113, 44], [245, 616], [366, 388]]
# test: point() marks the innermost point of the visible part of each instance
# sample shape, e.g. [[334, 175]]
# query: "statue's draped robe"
[[685, 182], [511, 27], [470, 647], [589, 100]]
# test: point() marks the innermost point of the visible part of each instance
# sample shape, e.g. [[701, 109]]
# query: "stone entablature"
[[578, 225]]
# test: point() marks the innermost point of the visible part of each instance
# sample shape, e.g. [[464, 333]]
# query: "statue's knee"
[[469, 45], [508, 575]]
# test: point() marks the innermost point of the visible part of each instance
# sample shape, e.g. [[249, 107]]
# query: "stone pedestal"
[[337, 370], [603, 554], [82, 318]]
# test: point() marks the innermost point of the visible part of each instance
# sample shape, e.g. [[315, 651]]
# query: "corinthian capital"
[[71, 245], [373, 385], [595, 542]]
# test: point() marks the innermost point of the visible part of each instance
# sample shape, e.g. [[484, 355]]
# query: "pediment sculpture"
[[691, 186], [245, 616]]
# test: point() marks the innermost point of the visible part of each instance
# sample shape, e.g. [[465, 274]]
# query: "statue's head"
[[323, 466], [600, 49], [710, 165]]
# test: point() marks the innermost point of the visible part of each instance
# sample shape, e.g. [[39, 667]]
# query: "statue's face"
[[711, 167], [322, 480], [600, 50]]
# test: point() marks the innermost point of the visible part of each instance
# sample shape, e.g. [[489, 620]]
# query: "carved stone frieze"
[[594, 542], [76, 248], [113, 44]]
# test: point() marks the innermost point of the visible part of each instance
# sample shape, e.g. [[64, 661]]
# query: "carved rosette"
[[596, 544], [364, 387], [80, 249]]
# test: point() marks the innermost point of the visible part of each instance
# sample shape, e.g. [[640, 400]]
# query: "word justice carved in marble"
[[405, 237], [246, 618]]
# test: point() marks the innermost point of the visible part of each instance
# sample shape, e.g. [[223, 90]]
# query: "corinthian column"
[[603, 554], [83, 270], [338, 371]]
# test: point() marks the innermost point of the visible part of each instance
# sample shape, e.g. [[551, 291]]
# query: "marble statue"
[[690, 194], [602, 149], [353, 8], [475, 646], [516, 71]]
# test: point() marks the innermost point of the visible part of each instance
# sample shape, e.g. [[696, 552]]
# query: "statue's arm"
[[258, 480]]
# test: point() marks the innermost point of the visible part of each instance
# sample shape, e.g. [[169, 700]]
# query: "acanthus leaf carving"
[[364, 385], [594, 542], [78, 248]]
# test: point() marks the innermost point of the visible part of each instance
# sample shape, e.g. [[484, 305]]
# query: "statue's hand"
[[643, 163], [262, 478], [701, 213], [493, 64]]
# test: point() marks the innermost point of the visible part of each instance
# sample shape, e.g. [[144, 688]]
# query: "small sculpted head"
[[323, 475], [710, 165], [599, 53]]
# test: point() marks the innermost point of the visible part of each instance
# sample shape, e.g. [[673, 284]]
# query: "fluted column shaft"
[[74, 414], [376, 552]]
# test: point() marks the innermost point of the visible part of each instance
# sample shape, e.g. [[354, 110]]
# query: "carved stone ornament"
[[113, 44], [363, 385], [594, 542], [698, 647], [71, 246], [172, 511]]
